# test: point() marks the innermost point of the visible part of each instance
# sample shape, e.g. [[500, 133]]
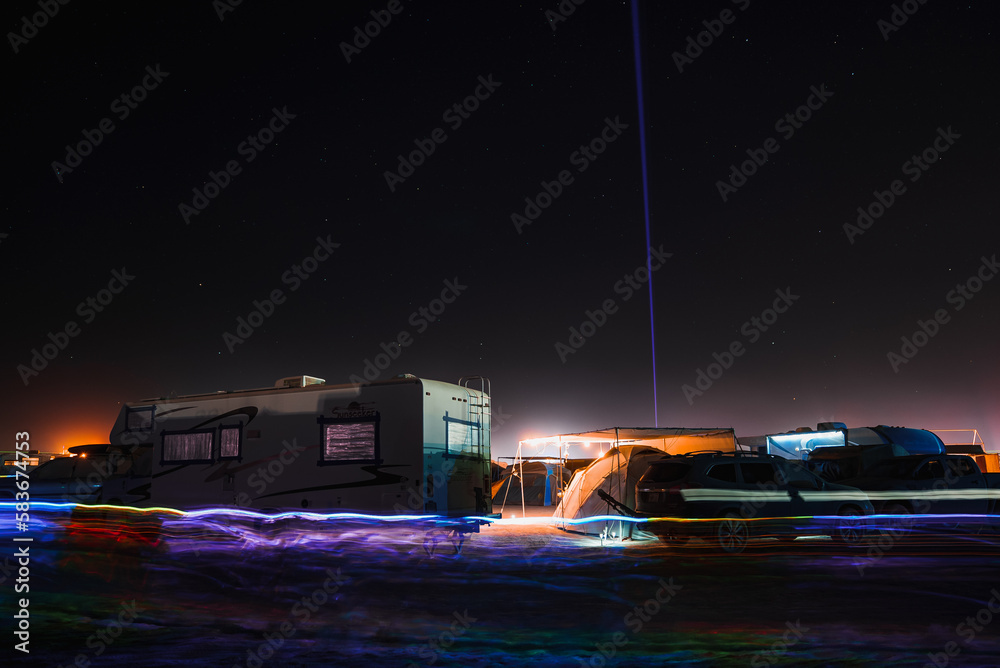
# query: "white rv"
[[400, 446]]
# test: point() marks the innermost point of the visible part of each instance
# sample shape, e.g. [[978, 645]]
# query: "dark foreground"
[[353, 593]]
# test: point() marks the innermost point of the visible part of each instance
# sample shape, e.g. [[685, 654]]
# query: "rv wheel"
[[732, 533]]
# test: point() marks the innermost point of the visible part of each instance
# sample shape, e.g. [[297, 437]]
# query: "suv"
[[748, 494]]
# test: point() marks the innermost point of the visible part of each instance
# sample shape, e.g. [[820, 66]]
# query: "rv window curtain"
[[349, 441], [140, 419], [187, 447], [229, 442]]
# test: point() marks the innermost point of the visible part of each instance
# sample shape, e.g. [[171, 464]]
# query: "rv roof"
[[400, 379]]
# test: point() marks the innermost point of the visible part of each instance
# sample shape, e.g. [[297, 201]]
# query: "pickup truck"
[[929, 484]]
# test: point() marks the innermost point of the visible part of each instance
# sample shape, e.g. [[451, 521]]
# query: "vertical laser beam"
[[645, 191]]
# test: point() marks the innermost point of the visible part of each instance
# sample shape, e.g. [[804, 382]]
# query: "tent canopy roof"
[[658, 437], [643, 433]]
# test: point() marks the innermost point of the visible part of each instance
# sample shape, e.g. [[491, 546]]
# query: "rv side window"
[[349, 441], [139, 419], [187, 447], [230, 441]]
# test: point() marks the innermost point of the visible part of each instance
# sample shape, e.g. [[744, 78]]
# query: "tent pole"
[[562, 491], [618, 463], [520, 459], [618, 454]]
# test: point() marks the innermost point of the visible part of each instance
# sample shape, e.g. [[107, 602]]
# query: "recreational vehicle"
[[401, 446]]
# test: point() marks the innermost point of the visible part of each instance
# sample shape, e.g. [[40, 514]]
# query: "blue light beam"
[[645, 191]]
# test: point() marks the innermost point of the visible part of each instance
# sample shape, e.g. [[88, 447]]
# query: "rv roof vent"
[[299, 381]]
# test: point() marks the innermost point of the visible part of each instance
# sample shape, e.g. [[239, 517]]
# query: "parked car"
[[95, 474], [929, 485], [749, 494]]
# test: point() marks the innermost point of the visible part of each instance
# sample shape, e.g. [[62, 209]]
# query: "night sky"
[[283, 141]]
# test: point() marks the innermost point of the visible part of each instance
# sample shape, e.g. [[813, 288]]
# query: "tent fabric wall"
[[617, 473]]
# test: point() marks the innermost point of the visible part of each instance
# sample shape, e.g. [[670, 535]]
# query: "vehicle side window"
[[795, 473], [758, 472], [724, 472], [961, 467], [930, 470], [666, 472]]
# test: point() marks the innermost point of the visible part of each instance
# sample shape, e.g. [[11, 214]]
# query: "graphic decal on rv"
[[232, 466], [174, 410], [381, 478], [169, 471], [249, 411], [229, 466], [143, 492], [355, 410]]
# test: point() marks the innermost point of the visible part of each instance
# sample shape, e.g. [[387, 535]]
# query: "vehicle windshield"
[[55, 469], [64, 468]]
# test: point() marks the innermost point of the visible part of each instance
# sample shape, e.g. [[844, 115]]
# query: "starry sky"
[[216, 196]]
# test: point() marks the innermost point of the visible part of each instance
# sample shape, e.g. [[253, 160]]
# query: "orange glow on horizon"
[[79, 434]]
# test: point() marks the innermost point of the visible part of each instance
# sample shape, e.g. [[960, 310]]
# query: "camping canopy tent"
[[673, 440], [539, 477], [618, 471]]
